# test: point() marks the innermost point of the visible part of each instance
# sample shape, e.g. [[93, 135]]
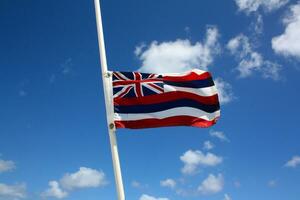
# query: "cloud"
[[225, 92], [138, 185], [218, 134], [294, 162], [55, 191], [147, 197], [194, 159], [227, 197], [139, 49], [14, 192], [84, 178], [251, 61], [6, 165], [180, 55], [207, 145], [212, 184], [168, 183], [250, 6], [287, 44], [257, 25]]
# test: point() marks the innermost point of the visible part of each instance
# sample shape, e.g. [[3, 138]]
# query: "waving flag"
[[144, 100]]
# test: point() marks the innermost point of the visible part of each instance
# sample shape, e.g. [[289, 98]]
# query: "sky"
[[53, 136]]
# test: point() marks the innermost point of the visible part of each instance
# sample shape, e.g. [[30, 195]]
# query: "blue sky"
[[53, 136]]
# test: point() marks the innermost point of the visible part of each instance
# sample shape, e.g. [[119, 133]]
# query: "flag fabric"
[[144, 100]]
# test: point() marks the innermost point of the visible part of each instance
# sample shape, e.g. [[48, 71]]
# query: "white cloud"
[[168, 183], [208, 145], [251, 61], [194, 159], [55, 191], [294, 162], [14, 192], [6, 165], [224, 91], [147, 197], [218, 134], [249, 6], [287, 44], [227, 197], [85, 177], [180, 55], [211, 185]]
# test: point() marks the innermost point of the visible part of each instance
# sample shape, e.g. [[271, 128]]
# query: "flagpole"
[[107, 86]]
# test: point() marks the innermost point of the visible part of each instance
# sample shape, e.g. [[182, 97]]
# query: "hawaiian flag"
[[143, 100]]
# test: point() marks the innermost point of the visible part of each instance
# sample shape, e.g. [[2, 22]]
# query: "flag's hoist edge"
[[188, 99]]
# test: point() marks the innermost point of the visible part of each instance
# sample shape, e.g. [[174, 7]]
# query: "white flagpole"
[[107, 86]]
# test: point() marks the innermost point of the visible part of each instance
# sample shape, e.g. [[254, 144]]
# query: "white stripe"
[[207, 91], [185, 111], [151, 88], [197, 71], [122, 76], [121, 91]]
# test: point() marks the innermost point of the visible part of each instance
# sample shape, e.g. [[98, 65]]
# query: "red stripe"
[[192, 76], [164, 97], [138, 87], [128, 82], [170, 121]]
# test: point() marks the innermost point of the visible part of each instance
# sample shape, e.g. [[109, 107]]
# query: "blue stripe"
[[192, 84], [165, 106]]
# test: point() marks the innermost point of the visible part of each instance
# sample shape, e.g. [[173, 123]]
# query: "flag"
[[145, 100]]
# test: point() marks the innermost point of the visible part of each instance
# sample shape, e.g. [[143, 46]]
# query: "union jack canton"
[[136, 84]]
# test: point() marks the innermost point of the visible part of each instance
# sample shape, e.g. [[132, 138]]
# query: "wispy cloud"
[[251, 61], [13, 192], [170, 183], [225, 91], [66, 66], [208, 145], [293, 162], [218, 134], [6, 165], [272, 183], [138, 185], [250, 6]]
